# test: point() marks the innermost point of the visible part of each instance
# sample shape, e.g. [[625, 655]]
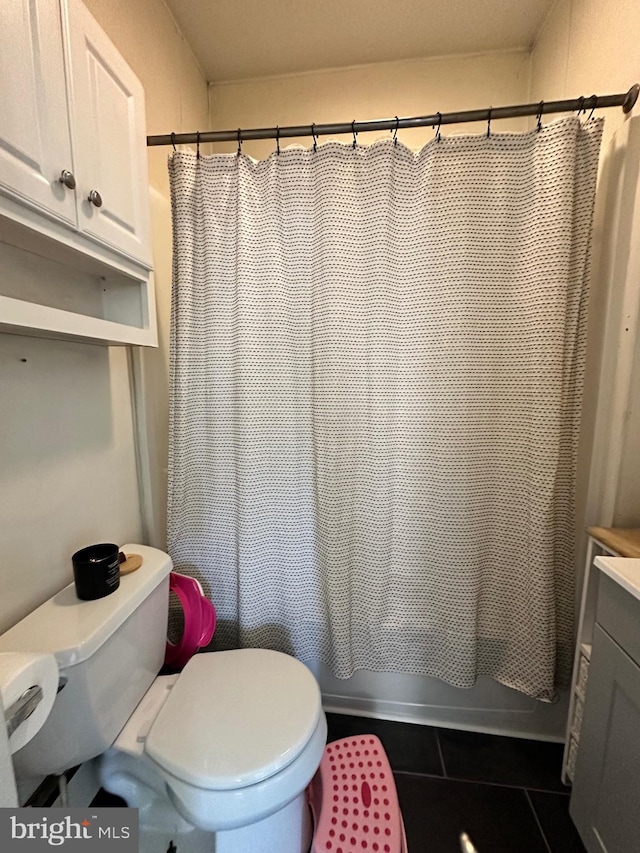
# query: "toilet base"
[[288, 830]]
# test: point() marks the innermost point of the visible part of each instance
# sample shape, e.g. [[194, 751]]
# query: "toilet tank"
[[108, 651]]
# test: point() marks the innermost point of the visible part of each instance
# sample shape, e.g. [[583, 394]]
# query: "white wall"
[[67, 438], [585, 47]]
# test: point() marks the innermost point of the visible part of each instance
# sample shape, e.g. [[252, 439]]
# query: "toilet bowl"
[[216, 759], [229, 747]]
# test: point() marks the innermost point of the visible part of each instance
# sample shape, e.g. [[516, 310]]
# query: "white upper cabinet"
[[72, 126], [75, 241], [108, 121], [35, 143]]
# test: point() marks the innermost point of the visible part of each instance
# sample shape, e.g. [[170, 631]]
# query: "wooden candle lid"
[[133, 562]]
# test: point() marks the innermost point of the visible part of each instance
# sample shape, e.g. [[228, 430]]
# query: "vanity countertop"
[[623, 570], [624, 541]]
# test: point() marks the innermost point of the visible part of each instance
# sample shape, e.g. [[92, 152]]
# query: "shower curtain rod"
[[626, 100]]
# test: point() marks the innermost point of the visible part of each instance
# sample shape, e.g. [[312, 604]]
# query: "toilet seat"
[[166, 733], [224, 810], [235, 718]]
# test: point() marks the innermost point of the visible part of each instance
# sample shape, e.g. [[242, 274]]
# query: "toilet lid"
[[235, 718]]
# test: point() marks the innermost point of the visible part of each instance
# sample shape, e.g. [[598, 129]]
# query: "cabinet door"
[[35, 145], [108, 126], [604, 800]]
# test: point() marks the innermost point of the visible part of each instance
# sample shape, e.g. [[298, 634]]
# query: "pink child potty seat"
[[199, 620]]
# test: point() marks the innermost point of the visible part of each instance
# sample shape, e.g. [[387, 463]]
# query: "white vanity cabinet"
[[75, 244]]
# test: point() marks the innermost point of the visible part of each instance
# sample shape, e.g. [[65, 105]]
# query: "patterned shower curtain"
[[376, 371]]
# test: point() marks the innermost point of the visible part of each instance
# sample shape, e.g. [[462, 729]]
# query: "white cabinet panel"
[[68, 101], [108, 124], [35, 142]]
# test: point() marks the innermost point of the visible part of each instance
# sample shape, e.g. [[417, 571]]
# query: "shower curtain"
[[376, 372]]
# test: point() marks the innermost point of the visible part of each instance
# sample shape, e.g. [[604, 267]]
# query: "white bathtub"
[[486, 707]]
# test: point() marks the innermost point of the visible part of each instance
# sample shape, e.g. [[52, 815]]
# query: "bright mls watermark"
[[69, 830]]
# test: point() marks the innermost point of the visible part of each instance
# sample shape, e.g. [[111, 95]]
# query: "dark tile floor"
[[504, 792]]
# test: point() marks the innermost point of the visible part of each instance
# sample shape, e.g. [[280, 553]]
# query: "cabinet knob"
[[95, 198], [66, 178]]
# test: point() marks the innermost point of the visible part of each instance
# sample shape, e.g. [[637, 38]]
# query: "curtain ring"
[[594, 108], [395, 132], [315, 138], [173, 140], [540, 106], [278, 140], [489, 122], [197, 144], [438, 135], [239, 152], [581, 105], [355, 133]]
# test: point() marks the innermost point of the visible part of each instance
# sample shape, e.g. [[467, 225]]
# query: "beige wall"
[[175, 90], [67, 463], [586, 47], [176, 98], [67, 436], [406, 88]]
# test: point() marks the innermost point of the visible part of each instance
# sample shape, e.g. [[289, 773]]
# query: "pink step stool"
[[354, 801]]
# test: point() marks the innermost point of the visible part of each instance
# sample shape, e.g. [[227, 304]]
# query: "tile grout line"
[[537, 820], [480, 782], [442, 764]]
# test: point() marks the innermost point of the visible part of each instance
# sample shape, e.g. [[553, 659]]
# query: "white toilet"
[[216, 759]]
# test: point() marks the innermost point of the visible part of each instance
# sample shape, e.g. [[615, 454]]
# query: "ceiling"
[[239, 39]]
